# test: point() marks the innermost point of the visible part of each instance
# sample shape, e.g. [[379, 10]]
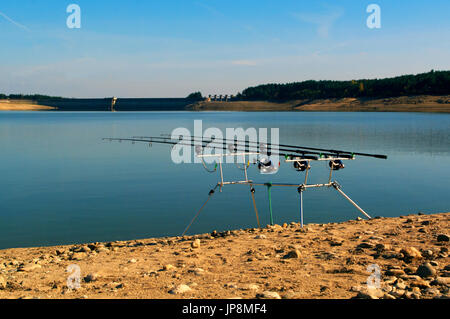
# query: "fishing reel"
[[232, 148], [198, 149], [301, 166], [336, 165], [266, 166]]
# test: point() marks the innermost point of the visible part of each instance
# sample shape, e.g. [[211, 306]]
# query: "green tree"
[[196, 96]]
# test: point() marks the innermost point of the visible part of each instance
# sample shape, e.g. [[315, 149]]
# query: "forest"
[[431, 83], [33, 97]]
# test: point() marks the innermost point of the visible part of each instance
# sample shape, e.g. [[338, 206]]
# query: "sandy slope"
[[423, 103], [329, 261], [21, 106]]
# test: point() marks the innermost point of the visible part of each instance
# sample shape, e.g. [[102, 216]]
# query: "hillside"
[[423, 103]]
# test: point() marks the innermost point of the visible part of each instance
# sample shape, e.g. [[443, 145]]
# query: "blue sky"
[[171, 48]]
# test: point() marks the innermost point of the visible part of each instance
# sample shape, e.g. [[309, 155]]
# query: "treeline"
[[431, 83], [196, 96], [34, 97]]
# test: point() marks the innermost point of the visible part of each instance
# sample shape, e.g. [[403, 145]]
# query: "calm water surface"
[[60, 183]]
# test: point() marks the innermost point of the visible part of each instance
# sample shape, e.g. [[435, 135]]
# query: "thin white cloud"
[[17, 24], [244, 62], [210, 9], [324, 22]]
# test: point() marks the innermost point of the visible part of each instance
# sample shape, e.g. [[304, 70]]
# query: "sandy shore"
[[281, 261], [438, 104], [7, 105]]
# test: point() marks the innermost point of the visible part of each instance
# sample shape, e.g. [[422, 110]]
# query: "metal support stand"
[[269, 191], [211, 192], [221, 174], [300, 190], [338, 188], [252, 191]]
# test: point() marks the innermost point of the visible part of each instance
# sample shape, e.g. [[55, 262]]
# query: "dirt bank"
[[318, 261], [423, 103], [22, 105]]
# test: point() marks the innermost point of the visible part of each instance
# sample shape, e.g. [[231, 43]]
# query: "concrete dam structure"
[[122, 104]]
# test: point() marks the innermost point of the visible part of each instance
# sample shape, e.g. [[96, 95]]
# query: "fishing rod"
[[224, 148], [282, 147], [301, 162]]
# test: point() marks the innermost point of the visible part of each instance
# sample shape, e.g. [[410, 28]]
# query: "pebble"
[[261, 237], [230, 285], [289, 295], [442, 237], [416, 290], [195, 243], [400, 285], [432, 291], [414, 277], [398, 293], [268, 295], [28, 267], [251, 287], [410, 270], [365, 245], [411, 252], [370, 293], [293, 254], [2, 282], [394, 272], [336, 242], [434, 263], [168, 267], [83, 249], [420, 283], [132, 261], [60, 251], [411, 295], [78, 256], [91, 277], [390, 280], [383, 247], [180, 289], [426, 270], [198, 271], [442, 281]]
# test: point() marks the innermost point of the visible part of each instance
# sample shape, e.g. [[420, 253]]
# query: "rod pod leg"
[[211, 192], [252, 191], [300, 190], [269, 192], [338, 188]]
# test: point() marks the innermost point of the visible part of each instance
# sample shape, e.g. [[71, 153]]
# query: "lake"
[[60, 183]]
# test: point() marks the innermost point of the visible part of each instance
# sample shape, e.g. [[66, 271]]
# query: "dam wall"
[[122, 104]]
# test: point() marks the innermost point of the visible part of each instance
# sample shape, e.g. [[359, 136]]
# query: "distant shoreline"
[[13, 105], [421, 103]]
